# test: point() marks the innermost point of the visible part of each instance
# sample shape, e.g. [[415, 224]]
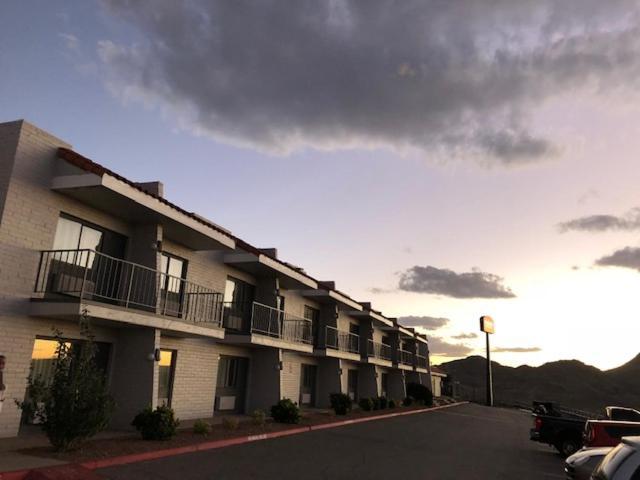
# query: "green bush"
[[230, 423], [286, 411], [158, 424], [76, 405], [258, 417], [407, 402], [420, 393], [341, 403], [366, 404], [376, 403], [392, 403], [200, 427], [382, 401]]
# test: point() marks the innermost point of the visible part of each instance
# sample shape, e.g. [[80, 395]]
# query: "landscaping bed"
[[106, 448]]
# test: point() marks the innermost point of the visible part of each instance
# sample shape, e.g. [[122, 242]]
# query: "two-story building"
[[184, 313]]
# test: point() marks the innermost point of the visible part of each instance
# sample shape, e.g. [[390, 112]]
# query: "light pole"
[[487, 326]]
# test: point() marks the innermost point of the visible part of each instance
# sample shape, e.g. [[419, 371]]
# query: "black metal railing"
[[254, 317], [94, 276], [379, 350], [342, 340], [405, 357], [422, 361]]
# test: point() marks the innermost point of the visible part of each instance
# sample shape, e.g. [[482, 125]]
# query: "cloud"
[[336, 74], [474, 284], [442, 348], [428, 323], [516, 349], [628, 257], [378, 290], [601, 223], [465, 336], [71, 41]]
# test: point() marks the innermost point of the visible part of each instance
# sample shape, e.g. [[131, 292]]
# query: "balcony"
[[379, 352], [267, 325], [88, 277], [422, 363], [405, 357], [342, 340]]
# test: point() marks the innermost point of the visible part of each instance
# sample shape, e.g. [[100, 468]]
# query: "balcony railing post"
[[129, 288], [84, 277]]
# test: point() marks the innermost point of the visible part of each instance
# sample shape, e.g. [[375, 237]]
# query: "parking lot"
[[463, 442]]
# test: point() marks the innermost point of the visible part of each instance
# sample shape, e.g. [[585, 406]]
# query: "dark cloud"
[[516, 349], [428, 323], [465, 336], [474, 284], [601, 223], [628, 257], [442, 348], [282, 76]]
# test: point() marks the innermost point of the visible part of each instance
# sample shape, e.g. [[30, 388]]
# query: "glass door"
[[173, 270]]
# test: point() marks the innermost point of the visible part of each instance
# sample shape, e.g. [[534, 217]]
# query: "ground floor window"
[[307, 384], [166, 373], [44, 356], [231, 383]]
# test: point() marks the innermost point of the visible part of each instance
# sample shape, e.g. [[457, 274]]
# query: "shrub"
[[33, 400], [258, 417], [366, 404], [376, 403], [382, 401], [158, 424], [392, 403], [286, 411], [341, 403], [76, 404], [408, 401], [200, 427], [420, 393], [230, 423]]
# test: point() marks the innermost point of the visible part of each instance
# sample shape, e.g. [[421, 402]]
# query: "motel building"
[[184, 313]]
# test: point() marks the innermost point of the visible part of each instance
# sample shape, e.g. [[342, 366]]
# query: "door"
[[173, 270], [308, 385], [384, 381], [231, 384], [352, 384], [238, 300], [166, 374]]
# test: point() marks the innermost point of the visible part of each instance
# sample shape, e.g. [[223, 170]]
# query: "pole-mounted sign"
[[487, 326]]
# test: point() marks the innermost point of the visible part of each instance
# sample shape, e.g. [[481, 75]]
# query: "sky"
[[442, 160]]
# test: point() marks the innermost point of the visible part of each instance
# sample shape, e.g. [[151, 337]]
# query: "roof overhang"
[[259, 264], [373, 315], [321, 295], [111, 195]]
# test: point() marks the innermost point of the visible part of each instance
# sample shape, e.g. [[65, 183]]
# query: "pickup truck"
[[608, 433], [563, 428]]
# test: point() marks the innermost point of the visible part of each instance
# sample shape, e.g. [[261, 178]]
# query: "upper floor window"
[[311, 313], [75, 234], [238, 292]]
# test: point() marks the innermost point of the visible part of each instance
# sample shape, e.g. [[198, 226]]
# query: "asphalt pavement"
[[463, 442]]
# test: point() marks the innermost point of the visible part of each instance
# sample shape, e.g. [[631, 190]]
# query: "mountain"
[[568, 382]]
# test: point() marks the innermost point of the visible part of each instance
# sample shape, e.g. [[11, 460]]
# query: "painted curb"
[[216, 444]]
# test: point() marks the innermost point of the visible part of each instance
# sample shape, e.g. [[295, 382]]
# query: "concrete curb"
[[216, 444]]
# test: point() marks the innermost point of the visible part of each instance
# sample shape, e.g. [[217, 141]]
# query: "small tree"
[[76, 405]]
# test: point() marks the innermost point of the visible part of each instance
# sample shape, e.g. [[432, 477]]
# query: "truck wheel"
[[568, 446]]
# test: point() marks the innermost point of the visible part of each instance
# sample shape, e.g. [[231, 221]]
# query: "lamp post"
[[487, 326]]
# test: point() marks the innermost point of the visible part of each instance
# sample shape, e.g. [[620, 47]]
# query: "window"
[[44, 355], [311, 313], [238, 292], [384, 381], [166, 373], [75, 234]]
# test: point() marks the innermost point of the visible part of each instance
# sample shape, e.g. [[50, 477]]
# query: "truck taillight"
[[537, 423]]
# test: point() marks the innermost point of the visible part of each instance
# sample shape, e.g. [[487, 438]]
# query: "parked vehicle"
[[558, 426], [608, 433], [621, 463], [581, 464], [564, 428]]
